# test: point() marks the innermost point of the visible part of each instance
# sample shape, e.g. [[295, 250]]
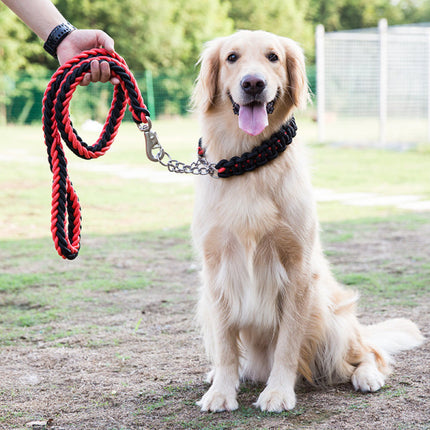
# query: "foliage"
[[284, 17], [166, 36], [416, 11], [349, 14], [18, 49], [149, 34], [167, 33]]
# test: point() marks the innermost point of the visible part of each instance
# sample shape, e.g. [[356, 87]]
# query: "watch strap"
[[56, 37]]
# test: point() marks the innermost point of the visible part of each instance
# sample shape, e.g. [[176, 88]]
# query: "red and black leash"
[[57, 126]]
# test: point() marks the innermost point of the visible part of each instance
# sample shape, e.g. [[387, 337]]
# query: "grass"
[[371, 170], [400, 131], [126, 213], [31, 309], [400, 290], [127, 220], [399, 279], [37, 290], [118, 203], [175, 397], [113, 202]]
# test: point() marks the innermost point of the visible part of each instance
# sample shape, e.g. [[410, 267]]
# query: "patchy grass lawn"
[[109, 342]]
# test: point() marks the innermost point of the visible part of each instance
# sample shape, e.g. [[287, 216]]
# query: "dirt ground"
[[146, 370]]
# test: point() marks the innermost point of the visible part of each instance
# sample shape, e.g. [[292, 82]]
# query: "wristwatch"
[[56, 37]]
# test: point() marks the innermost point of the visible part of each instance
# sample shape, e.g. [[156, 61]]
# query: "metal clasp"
[[152, 143]]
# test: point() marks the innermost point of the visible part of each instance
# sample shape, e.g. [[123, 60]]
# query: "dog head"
[[258, 75]]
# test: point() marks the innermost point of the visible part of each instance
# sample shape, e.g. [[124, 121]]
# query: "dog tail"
[[392, 336]]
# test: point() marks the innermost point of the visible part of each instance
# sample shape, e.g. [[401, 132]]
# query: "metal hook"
[[152, 143]]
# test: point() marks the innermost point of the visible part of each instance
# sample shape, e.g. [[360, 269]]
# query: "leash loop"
[[58, 127]]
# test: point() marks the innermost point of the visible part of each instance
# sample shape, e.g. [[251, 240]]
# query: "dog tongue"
[[253, 118]]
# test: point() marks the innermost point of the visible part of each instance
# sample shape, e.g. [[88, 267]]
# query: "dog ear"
[[206, 86], [297, 90]]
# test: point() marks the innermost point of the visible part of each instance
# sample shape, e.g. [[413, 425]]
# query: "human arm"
[[41, 16]]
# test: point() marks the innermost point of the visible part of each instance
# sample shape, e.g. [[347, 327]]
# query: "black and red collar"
[[259, 156]]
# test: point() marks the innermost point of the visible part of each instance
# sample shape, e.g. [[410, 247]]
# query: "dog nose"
[[253, 84]]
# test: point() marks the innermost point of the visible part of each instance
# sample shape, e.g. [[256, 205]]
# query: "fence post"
[[382, 27], [320, 60], [150, 93], [428, 86], [3, 95]]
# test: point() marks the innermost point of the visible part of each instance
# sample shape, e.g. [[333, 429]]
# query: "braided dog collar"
[[259, 156]]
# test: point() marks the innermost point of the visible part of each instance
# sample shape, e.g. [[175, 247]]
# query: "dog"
[[269, 307]]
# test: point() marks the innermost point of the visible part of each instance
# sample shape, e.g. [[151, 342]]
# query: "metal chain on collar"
[[156, 153], [259, 156], [199, 167]]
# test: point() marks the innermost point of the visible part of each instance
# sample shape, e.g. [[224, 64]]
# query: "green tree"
[[166, 36], [283, 17], [19, 49], [350, 14], [415, 10], [148, 34]]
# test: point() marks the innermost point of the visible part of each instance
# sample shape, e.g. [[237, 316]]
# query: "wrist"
[[57, 35]]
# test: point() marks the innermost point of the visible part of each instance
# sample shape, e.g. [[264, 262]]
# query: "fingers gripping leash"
[[57, 126]]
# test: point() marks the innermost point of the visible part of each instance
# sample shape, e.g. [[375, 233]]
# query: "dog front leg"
[[279, 393], [225, 274], [280, 261], [221, 396]]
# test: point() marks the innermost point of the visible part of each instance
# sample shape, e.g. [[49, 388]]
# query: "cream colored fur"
[[270, 309]]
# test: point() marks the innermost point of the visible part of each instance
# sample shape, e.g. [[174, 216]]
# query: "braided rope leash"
[[57, 126]]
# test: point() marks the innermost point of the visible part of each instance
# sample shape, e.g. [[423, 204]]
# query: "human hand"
[[81, 40]]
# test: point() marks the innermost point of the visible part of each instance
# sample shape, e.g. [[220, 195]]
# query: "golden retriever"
[[269, 307]]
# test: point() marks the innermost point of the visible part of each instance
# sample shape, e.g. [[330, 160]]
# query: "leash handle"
[[58, 127]]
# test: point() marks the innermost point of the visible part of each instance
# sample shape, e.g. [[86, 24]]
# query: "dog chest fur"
[[247, 242]]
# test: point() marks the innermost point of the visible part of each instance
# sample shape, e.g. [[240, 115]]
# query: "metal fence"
[[165, 93], [373, 85]]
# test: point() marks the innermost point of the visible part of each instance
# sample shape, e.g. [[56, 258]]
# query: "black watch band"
[[56, 37]]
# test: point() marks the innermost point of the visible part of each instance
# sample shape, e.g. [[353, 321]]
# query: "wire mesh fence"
[[165, 93], [373, 85]]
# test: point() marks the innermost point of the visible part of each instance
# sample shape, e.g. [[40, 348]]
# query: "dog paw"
[[367, 378], [210, 376], [217, 401], [276, 400]]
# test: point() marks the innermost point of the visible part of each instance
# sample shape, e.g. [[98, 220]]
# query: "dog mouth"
[[253, 116]]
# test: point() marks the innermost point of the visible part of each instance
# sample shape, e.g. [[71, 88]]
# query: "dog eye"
[[232, 58], [272, 57]]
